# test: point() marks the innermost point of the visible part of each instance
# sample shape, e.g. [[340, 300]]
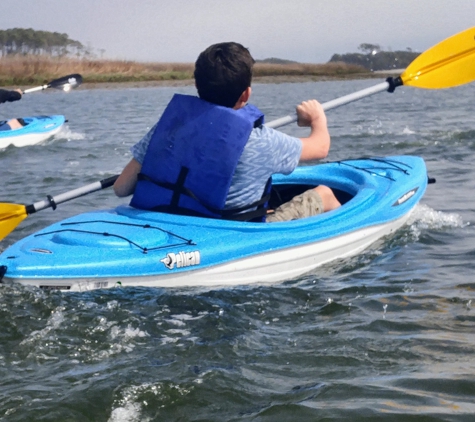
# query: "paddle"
[[445, 65], [65, 83], [449, 63], [13, 214]]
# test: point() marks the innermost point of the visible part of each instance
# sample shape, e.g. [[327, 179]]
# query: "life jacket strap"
[[178, 189]]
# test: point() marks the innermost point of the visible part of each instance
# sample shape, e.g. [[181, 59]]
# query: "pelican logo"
[[181, 259], [405, 197]]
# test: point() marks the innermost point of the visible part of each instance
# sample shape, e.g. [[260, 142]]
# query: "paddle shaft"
[[388, 85], [37, 88], [52, 201]]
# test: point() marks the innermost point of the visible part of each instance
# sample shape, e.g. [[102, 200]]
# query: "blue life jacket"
[[192, 157]]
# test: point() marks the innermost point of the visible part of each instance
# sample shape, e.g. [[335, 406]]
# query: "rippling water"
[[385, 335]]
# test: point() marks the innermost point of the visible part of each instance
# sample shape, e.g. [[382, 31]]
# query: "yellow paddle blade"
[[447, 64], [10, 216]]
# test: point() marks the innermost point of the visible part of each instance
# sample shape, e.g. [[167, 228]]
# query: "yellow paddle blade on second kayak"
[[447, 64], [10, 216]]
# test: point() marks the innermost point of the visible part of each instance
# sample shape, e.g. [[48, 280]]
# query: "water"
[[387, 334]]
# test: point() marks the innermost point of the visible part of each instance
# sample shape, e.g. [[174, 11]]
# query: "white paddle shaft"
[[52, 201], [383, 86], [37, 88]]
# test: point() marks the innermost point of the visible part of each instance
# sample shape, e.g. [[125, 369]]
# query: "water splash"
[[130, 412], [69, 135], [424, 217], [135, 400], [408, 131]]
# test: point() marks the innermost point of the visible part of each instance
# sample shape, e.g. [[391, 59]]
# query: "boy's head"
[[223, 72]]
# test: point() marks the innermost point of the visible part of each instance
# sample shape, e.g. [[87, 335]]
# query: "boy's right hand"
[[309, 113]]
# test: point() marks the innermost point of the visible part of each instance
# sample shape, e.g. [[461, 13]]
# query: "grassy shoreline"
[[24, 71]]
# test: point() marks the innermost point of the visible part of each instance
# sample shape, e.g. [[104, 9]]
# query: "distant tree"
[[369, 48]]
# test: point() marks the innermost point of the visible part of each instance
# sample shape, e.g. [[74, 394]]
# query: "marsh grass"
[[307, 69], [37, 70]]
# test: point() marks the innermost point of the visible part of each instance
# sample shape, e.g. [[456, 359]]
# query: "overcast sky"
[[308, 31]]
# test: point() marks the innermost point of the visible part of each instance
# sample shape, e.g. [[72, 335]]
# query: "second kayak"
[[37, 129]]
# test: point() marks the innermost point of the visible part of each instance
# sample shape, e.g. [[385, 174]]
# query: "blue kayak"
[[125, 246], [37, 129]]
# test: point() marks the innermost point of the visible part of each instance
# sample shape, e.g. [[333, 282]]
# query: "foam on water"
[[408, 131], [134, 399], [425, 218], [68, 134]]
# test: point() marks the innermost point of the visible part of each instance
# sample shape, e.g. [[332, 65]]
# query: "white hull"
[[28, 139], [270, 267]]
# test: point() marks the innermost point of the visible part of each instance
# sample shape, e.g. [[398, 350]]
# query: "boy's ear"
[[246, 94], [244, 98]]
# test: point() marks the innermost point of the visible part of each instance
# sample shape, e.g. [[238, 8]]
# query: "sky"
[[307, 31]]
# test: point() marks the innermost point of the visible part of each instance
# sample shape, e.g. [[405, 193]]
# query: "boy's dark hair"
[[223, 72]]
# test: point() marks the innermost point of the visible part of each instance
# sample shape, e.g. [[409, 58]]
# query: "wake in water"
[[425, 218], [67, 134], [422, 220], [64, 134]]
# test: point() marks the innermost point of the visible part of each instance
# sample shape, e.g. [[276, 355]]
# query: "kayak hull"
[[129, 247], [38, 129]]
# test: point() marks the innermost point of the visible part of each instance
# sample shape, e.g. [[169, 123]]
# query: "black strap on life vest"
[[178, 189]]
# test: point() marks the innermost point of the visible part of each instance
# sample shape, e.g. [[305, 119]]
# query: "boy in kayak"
[[6, 95], [212, 156]]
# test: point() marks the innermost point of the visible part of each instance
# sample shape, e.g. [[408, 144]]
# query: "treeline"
[[20, 41], [374, 58]]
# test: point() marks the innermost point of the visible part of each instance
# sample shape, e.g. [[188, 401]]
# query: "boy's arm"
[[317, 145], [125, 183]]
